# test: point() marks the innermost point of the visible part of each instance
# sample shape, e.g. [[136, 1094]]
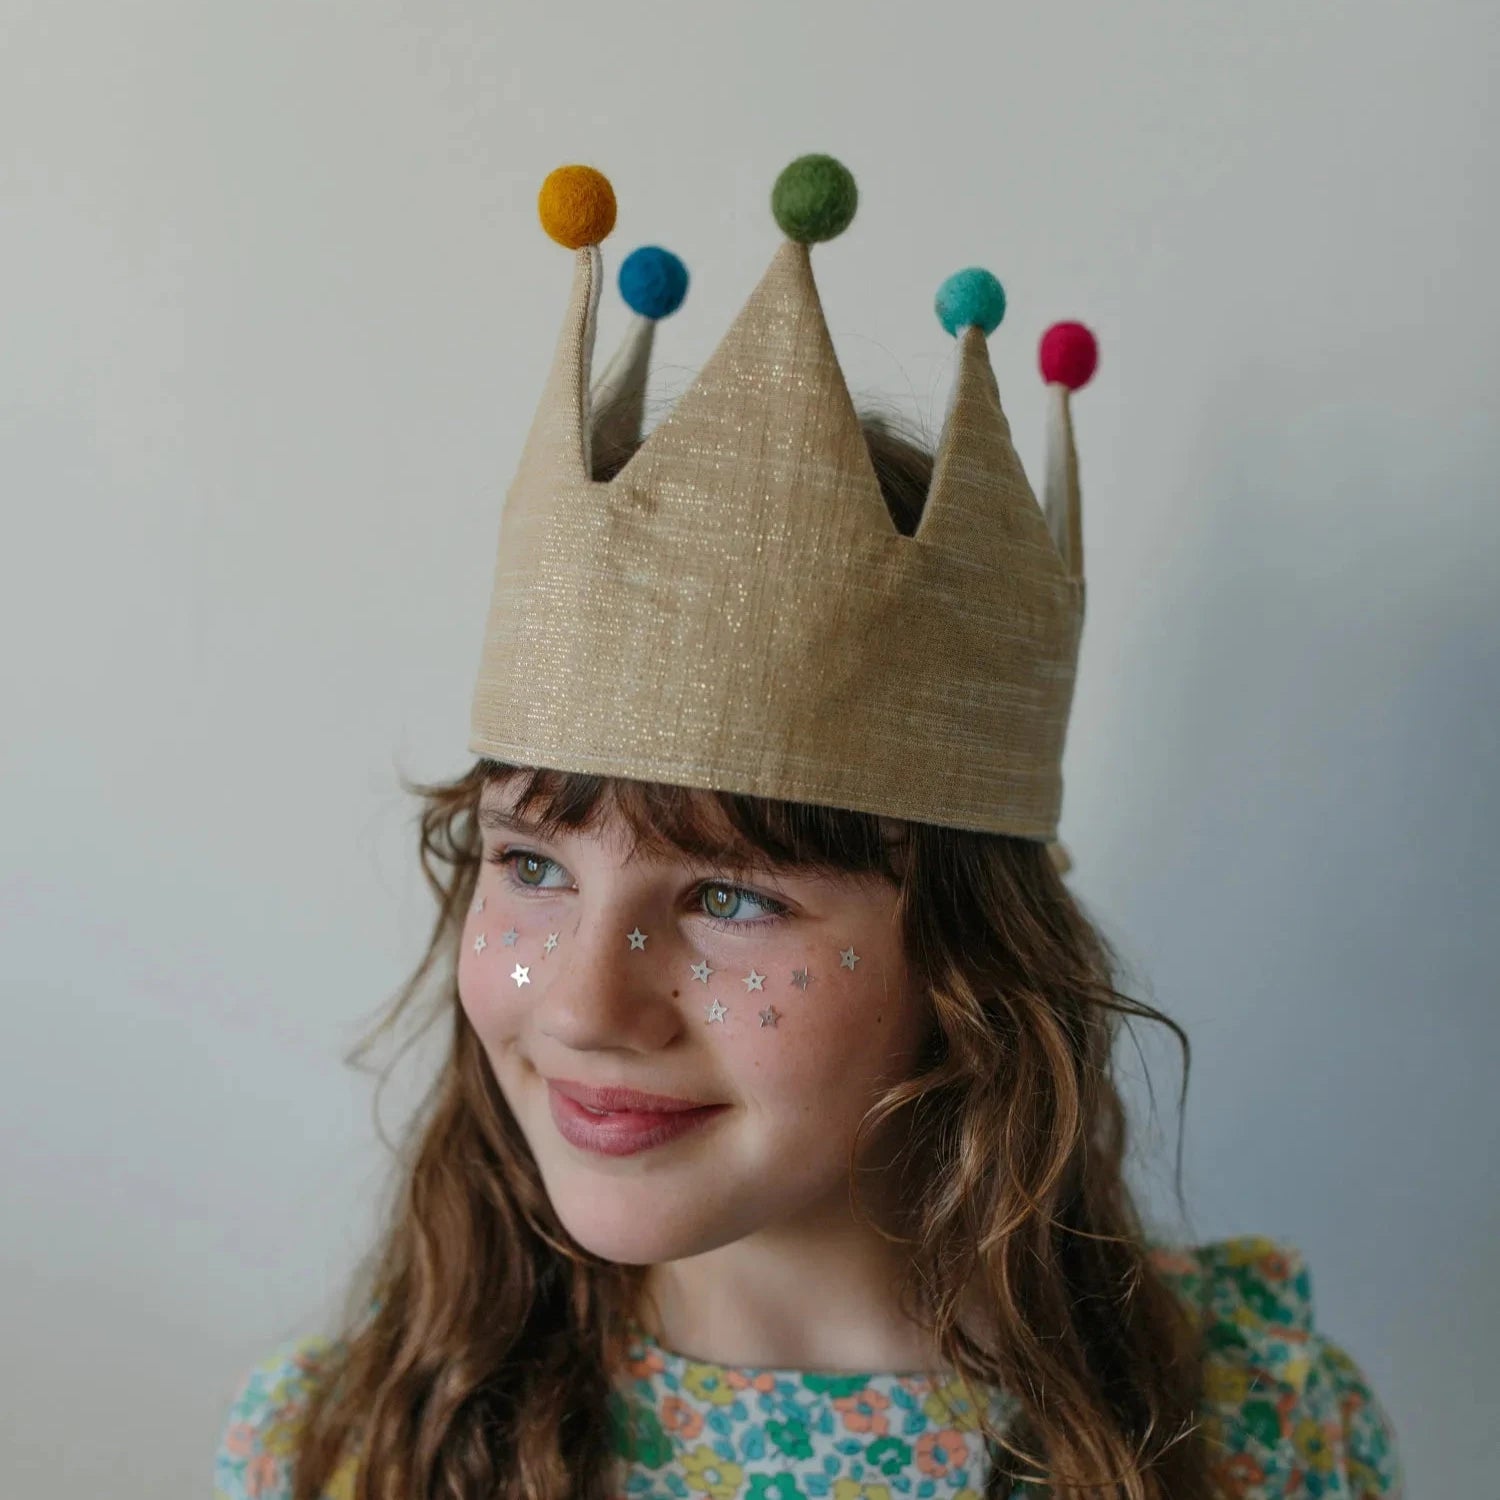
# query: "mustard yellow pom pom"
[[577, 206]]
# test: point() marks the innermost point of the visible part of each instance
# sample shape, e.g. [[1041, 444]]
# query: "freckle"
[[675, 993]]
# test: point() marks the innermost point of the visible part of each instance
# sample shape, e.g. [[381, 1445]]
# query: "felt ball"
[[577, 206], [814, 199], [653, 282], [1068, 355], [970, 298]]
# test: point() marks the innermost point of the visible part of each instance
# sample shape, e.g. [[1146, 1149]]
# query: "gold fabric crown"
[[735, 609]]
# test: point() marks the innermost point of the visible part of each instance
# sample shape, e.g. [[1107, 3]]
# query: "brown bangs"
[[743, 831]]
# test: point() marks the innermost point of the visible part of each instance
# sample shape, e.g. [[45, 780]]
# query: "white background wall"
[[274, 311]]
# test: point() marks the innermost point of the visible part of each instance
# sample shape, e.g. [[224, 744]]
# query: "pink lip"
[[622, 1131], [621, 1099]]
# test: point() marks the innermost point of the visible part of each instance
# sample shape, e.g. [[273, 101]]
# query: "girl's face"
[[776, 1006]]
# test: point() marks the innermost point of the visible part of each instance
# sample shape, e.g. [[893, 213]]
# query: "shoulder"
[[261, 1427], [1290, 1413]]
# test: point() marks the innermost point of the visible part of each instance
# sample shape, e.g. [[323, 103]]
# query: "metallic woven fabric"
[[736, 609]]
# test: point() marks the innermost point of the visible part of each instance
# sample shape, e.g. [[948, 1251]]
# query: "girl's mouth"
[[624, 1132]]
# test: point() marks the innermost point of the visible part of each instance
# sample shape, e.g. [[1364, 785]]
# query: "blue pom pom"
[[653, 282], [968, 298]]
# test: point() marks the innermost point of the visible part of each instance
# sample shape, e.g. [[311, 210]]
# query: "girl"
[[776, 1153]]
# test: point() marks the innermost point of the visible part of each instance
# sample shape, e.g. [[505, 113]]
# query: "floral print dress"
[[1288, 1412]]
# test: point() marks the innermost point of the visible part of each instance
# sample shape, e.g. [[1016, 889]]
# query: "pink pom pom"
[[1069, 355]]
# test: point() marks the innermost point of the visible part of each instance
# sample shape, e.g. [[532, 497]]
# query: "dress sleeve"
[[1374, 1461], [254, 1457], [1289, 1413]]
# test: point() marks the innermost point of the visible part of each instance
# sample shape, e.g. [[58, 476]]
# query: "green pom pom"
[[814, 199]]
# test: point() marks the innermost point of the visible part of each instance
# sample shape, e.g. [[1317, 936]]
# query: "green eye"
[[724, 904], [716, 895], [520, 865]]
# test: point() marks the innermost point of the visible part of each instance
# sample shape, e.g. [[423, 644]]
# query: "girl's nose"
[[609, 993]]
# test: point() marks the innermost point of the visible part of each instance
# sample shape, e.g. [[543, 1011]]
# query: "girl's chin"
[[636, 1249], [632, 1226]]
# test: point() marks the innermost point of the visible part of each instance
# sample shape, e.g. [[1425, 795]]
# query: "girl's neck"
[[824, 1300]]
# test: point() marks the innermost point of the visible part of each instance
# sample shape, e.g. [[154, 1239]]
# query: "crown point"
[[653, 282], [576, 206], [968, 299], [1068, 355], [814, 199]]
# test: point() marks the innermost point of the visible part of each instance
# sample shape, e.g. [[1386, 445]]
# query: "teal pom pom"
[[971, 298], [814, 199], [653, 282]]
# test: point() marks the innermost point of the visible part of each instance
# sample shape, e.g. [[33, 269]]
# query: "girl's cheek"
[[792, 1011], [791, 1006], [489, 998]]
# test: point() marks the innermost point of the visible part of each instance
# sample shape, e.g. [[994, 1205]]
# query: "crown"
[[735, 609]]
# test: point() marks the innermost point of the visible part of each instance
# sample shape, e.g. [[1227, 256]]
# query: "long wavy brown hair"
[[474, 1356]]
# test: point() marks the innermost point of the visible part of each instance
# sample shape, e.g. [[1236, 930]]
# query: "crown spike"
[[617, 403], [1063, 502], [559, 439], [773, 388], [576, 206], [653, 283], [1068, 356], [980, 503]]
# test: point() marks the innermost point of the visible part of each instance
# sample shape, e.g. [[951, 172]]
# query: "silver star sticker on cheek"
[[754, 981], [521, 976], [801, 978], [716, 1012], [551, 942], [701, 971], [509, 938], [770, 1016], [848, 958], [637, 938], [479, 943], [478, 904]]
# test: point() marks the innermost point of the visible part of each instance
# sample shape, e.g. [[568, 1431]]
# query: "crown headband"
[[735, 610]]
